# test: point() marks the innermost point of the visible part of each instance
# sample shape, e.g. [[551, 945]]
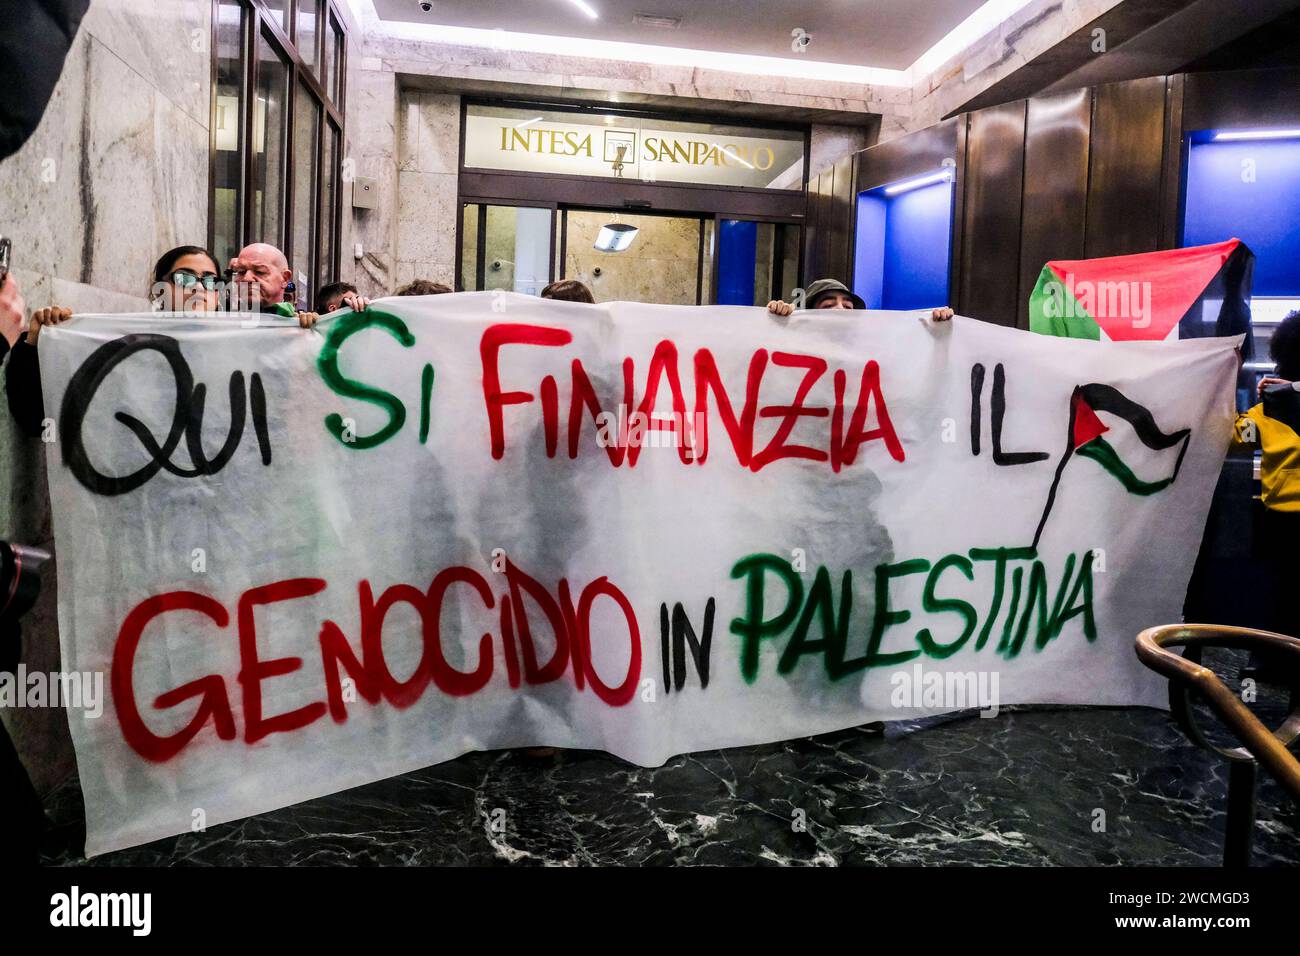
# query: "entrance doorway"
[[659, 257], [662, 261]]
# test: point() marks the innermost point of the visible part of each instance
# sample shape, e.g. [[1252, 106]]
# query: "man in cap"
[[833, 294]]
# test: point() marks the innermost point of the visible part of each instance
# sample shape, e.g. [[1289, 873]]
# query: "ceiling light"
[[983, 22], [588, 48], [586, 8], [615, 237], [1237, 134], [656, 22], [528, 122], [918, 182]]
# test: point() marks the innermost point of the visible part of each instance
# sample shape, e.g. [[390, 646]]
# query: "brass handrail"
[[1187, 673]]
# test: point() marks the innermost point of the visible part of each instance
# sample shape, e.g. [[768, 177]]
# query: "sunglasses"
[[186, 280]]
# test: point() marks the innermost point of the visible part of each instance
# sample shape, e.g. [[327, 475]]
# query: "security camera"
[[800, 39], [426, 6]]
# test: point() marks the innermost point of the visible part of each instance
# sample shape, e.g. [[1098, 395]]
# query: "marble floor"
[[1024, 788]]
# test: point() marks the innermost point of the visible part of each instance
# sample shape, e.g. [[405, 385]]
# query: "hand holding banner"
[[308, 560]]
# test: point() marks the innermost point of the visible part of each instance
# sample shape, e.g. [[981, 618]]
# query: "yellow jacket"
[[1273, 426]]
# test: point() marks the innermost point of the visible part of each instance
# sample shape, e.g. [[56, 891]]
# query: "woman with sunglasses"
[[185, 279]]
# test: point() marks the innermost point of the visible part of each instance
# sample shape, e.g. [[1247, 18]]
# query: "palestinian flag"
[[1086, 438], [1154, 296]]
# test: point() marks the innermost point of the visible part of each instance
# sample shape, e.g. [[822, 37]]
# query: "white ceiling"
[[887, 34]]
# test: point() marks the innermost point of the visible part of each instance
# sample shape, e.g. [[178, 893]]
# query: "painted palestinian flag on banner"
[[1150, 467], [1153, 296]]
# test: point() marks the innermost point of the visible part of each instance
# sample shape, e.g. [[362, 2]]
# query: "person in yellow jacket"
[[1273, 426]]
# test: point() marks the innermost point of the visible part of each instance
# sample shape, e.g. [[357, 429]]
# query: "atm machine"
[[1243, 181]]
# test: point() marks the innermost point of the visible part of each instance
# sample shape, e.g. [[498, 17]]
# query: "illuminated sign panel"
[[584, 144]]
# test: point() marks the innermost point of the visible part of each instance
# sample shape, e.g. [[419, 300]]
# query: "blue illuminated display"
[[903, 244], [1248, 188]]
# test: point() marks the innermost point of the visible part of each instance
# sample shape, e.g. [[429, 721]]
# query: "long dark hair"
[[163, 269]]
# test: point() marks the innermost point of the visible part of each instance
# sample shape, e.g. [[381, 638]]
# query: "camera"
[[20, 580], [20, 583], [426, 6]]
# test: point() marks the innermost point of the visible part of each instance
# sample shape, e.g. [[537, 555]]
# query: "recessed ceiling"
[[888, 34]]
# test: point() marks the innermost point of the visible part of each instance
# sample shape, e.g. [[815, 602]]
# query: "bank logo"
[[620, 149]]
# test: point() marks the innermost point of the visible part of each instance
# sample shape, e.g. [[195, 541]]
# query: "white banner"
[[306, 560]]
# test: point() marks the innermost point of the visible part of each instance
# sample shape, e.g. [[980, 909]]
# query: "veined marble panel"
[[1029, 33], [433, 271], [144, 176], [169, 44], [540, 69], [426, 220], [115, 174], [830, 144], [439, 133], [372, 149], [428, 138]]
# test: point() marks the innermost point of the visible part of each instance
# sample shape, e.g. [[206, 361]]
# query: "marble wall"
[[428, 157], [372, 154], [829, 144], [409, 142], [116, 173], [1027, 34]]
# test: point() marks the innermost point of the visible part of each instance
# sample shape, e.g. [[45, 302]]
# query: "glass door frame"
[[257, 22], [700, 217], [480, 253], [559, 238], [775, 291]]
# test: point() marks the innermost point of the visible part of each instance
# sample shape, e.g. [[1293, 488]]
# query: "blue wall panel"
[[737, 250], [869, 250]]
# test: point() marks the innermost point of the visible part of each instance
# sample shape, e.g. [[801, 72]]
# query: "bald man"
[[262, 277]]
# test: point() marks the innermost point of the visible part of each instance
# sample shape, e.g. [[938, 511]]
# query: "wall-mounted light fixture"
[[1239, 134], [615, 237], [928, 180]]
